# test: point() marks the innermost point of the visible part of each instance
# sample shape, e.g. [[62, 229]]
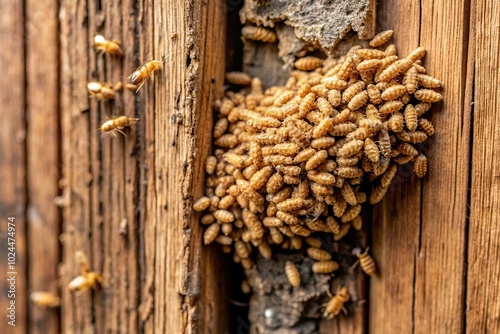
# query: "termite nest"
[[293, 164]]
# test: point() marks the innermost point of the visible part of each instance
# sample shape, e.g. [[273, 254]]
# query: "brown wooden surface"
[[13, 161], [483, 306], [419, 231]]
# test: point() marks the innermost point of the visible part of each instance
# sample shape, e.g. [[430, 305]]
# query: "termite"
[[144, 72], [336, 304], [85, 282], [117, 124]]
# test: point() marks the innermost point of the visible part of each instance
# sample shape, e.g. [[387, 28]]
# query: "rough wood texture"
[[419, 230], [43, 157], [130, 197], [13, 160], [484, 234]]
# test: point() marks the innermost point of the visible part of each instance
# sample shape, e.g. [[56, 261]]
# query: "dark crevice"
[[140, 189], [468, 21], [238, 314], [90, 133], [413, 292], [420, 21], [25, 271], [59, 153]]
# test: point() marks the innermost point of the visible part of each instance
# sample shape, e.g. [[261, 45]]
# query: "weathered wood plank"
[[483, 306], [176, 109], [13, 162], [441, 257], [43, 154], [396, 220], [420, 244]]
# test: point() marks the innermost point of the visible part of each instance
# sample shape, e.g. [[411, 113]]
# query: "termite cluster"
[[103, 91], [298, 160]]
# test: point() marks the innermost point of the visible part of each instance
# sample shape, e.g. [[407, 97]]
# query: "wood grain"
[[419, 234], [76, 130], [483, 305], [43, 157], [177, 113], [13, 161]]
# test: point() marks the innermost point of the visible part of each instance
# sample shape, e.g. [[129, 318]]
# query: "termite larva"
[[313, 242], [260, 178], [350, 148], [368, 65], [101, 44], [308, 63], [371, 54], [381, 38], [371, 150], [201, 204], [318, 254], [428, 95], [428, 81], [358, 101], [393, 70], [352, 90], [325, 267], [238, 78], [391, 107], [258, 34], [426, 126], [292, 273], [416, 54], [117, 124], [211, 233], [393, 92], [220, 127], [316, 159], [143, 73], [420, 166]]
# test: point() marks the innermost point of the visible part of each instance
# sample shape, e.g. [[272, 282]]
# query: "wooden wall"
[[126, 201]]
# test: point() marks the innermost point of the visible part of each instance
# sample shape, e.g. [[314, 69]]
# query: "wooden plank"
[[43, 154], [115, 166], [76, 311], [396, 221], [13, 163], [130, 197], [483, 304], [441, 259], [420, 248], [177, 117]]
